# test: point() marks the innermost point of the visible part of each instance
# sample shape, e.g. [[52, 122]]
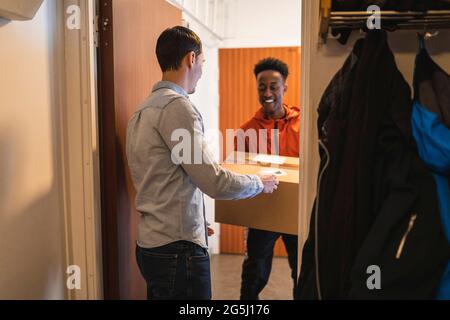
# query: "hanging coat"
[[431, 129], [372, 186]]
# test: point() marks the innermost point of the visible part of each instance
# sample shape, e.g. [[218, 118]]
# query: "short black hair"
[[272, 64], [174, 44]]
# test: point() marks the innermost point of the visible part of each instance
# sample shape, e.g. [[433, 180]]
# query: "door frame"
[[310, 95], [108, 150], [79, 156]]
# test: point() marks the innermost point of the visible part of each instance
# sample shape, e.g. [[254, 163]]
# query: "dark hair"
[[274, 65], [174, 44]]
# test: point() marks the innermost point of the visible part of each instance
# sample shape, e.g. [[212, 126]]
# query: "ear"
[[190, 59], [286, 87]]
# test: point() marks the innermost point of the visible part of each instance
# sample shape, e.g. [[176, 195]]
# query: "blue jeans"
[[177, 271], [258, 263]]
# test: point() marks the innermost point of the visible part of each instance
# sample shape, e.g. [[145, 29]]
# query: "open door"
[[127, 71]]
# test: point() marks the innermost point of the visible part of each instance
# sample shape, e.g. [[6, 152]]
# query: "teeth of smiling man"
[[270, 101]]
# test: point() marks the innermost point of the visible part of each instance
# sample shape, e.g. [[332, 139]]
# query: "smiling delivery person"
[[282, 123]]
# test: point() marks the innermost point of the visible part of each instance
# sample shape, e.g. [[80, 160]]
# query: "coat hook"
[[428, 35], [330, 36]]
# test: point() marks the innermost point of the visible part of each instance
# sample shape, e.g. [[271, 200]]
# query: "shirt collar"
[[171, 86]]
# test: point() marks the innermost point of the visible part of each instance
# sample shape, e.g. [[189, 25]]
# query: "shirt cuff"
[[260, 185]]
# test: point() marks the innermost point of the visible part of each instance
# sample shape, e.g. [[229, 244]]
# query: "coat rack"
[[390, 20]]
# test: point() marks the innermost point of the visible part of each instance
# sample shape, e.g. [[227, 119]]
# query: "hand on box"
[[269, 181]]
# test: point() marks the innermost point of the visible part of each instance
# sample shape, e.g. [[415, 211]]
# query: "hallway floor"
[[226, 278]]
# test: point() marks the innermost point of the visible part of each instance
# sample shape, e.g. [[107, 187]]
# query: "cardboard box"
[[277, 212]]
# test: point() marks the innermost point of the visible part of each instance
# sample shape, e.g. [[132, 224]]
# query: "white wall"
[[262, 23], [31, 215]]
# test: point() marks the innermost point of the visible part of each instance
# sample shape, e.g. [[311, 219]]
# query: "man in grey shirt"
[[170, 181]]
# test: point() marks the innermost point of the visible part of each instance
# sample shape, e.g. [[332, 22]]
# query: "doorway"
[[127, 70], [239, 102]]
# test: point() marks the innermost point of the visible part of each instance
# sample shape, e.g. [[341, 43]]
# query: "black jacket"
[[369, 171]]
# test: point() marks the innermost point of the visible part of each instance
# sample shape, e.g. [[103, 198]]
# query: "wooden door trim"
[[108, 151], [309, 155], [75, 62]]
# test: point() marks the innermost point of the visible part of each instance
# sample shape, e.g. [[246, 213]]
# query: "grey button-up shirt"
[[170, 188]]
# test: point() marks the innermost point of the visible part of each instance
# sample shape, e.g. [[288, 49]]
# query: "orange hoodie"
[[288, 128]]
